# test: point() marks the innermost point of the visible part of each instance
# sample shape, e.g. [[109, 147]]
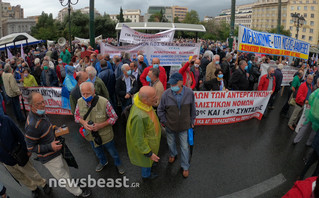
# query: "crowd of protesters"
[[97, 88]]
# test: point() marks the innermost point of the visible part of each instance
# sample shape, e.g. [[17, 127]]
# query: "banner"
[[271, 44], [287, 72], [129, 35], [52, 98], [170, 54], [220, 107]]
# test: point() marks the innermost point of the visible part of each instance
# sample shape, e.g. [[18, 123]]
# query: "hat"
[[175, 78]]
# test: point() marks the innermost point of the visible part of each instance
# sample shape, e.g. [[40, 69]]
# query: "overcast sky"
[[206, 8]]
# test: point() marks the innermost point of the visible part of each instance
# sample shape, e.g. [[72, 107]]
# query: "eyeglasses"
[[40, 103]]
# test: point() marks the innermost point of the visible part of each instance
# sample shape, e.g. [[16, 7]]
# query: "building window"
[[307, 1], [298, 7], [292, 8], [303, 29], [303, 37], [311, 31], [291, 21], [305, 7], [314, 1], [312, 23], [312, 16], [312, 8], [310, 38], [305, 15], [290, 28]]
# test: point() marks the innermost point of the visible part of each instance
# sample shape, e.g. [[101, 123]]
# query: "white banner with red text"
[[52, 98], [170, 54], [131, 36], [288, 73], [221, 107]]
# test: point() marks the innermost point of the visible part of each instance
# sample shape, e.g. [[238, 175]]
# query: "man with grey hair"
[[206, 60], [100, 88], [225, 66], [96, 115], [211, 68], [48, 76], [126, 86], [141, 64], [37, 70], [239, 79], [13, 91], [268, 83], [153, 78], [51, 65], [117, 66]]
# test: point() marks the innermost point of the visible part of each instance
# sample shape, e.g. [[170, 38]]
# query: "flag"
[[9, 54], [22, 52], [316, 57]]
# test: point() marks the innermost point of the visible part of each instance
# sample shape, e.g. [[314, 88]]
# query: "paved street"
[[248, 159]]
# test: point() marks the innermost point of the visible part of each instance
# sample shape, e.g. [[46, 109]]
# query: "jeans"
[[146, 172], [185, 151], [16, 109], [1, 107], [110, 147]]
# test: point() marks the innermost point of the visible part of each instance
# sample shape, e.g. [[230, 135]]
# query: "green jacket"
[[97, 115], [143, 133], [313, 113], [66, 57]]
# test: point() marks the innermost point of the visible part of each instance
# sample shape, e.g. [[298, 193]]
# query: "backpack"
[[62, 71]]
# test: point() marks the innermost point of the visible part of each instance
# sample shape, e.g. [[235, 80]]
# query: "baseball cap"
[[175, 78]]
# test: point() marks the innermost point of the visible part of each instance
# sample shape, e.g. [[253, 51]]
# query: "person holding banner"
[[216, 84], [239, 79], [162, 76], [188, 76], [198, 74], [302, 98], [177, 112]]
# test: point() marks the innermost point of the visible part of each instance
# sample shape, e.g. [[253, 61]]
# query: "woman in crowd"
[[216, 84], [28, 79]]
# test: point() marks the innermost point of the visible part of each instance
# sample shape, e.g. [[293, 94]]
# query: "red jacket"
[[162, 76], [184, 74], [58, 72], [264, 82], [302, 94], [301, 189]]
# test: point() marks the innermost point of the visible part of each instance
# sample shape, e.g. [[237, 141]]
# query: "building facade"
[[134, 15], [11, 12], [17, 26], [179, 12], [167, 12]]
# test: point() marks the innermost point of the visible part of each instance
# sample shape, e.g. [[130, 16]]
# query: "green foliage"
[[176, 20], [191, 17], [282, 31], [105, 26], [158, 17], [46, 28], [217, 31]]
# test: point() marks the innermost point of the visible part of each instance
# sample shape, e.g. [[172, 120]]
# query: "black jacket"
[[226, 70], [108, 77], [279, 77], [213, 85], [120, 87], [239, 81], [203, 64]]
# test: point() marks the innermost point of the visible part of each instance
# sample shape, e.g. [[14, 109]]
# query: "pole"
[[92, 28], [69, 10], [232, 23], [297, 29], [279, 17]]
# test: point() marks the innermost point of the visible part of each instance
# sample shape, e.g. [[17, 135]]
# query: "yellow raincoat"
[[143, 133]]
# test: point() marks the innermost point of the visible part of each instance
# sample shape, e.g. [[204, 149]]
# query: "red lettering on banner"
[[201, 95], [249, 48]]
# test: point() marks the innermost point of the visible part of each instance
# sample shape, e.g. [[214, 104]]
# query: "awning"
[[314, 50], [163, 26], [18, 39]]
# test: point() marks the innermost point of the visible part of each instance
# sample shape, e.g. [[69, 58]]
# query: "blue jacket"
[[10, 135], [53, 79], [108, 77]]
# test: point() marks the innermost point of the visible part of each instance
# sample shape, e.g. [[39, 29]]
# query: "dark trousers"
[[313, 158], [16, 109], [285, 108]]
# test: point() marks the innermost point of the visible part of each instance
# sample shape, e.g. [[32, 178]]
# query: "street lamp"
[[299, 20], [69, 3]]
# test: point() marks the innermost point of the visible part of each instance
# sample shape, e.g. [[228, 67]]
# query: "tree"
[[79, 25], [158, 17], [120, 17], [105, 26], [46, 28], [191, 17], [282, 31], [128, 20], [176, 20]]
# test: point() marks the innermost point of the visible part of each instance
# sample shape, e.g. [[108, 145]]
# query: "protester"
[[126, 58], [153, 79], [268, 83], [108, 77], [75, 94], [37, 71], [211, 68], [302, 98], [65, 56], [10, 138], [278, 76], [143, 132], [225, 66], [60, 70], [13, 92], [28, 79], [239, 79], [216, 84], [136, 73], [162, 76], [100, 88], [126, 86], [40, 139], [141, 64], [48, 76], [198, 74], [117, 67], [306, 188], [18, 73], [177, 113], [99, 110], [188, 76], [68, 84]]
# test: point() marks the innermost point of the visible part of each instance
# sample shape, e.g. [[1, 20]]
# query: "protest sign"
[[170, 54], [287, 72], [52, 98], [129, 35], [271, 44], [220, 107]]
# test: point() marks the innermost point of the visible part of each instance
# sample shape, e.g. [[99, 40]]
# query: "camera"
[[96, 135]]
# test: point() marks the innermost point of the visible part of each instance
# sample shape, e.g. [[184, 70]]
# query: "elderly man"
[[51, 64], [239, 79], [143, 132], [126, 86], [211, 68], [117, 66], [96, 115], [100, 88], [40, 139], [10, 138], [268, 83], [13, 92], [75, 94], [205, 61], [48, 76], [141, 64], [162, 76], [177, 112], [144, 59], [136, 72], [108, 77], [37, 71], [153, 78], [225, 66], [65, 56], [302, 98]]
